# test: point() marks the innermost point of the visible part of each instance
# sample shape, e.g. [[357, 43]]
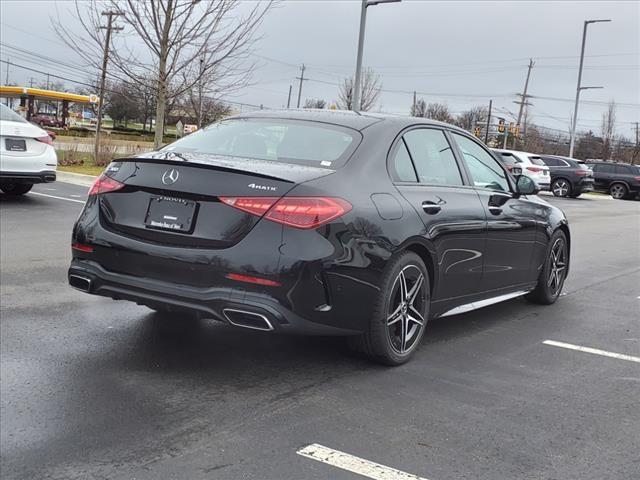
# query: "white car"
[[26, 154], [531, 164]]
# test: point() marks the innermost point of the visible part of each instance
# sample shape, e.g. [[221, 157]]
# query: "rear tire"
[[554, 271], [619, 191], [561, 187], [16, 188], [400, 313]]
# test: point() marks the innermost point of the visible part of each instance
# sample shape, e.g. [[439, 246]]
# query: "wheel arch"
[[564, 228], [423, 252]]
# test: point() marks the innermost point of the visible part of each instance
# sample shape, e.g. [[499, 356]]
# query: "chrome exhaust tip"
[[244, 319], [80, 283]]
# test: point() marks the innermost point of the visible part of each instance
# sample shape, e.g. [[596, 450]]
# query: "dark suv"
[[568, 177], [620, 180]]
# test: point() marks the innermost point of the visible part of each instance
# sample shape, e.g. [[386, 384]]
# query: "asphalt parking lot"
[[92, 388]]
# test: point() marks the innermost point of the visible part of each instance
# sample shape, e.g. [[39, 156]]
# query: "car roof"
[[345, 118]]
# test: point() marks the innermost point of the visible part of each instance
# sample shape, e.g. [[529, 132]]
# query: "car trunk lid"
[[174, 199]]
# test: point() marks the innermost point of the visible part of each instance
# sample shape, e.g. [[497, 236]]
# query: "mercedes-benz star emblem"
[[170, 176]]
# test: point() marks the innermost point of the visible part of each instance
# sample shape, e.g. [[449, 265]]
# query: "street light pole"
[[579, 87], [357, 87]]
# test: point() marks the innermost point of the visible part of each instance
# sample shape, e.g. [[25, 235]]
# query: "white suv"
[[531, 164], [26, 154]]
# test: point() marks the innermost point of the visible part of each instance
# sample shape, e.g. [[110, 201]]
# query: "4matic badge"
[[262, 187]]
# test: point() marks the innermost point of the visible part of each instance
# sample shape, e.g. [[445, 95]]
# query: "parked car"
[[260, 221], [620, 180], [47, 120], [569, 178], [531, 164], [26, 154]]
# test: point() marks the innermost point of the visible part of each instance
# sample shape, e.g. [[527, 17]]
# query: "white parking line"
[[595, 351], [57, 198], [354, 464]]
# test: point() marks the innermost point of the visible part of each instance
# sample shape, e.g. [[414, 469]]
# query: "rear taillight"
[[637, 179], [535, 169], [104, 184], [81, 247], [46, 139], [298, 212], [582, 173]]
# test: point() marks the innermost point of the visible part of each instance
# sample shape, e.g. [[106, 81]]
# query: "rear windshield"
[[509, 159], [8, 115], [537, 161], [287, 141]]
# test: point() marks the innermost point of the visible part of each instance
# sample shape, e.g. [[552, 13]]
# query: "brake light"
[[582, 173], [82, 247], [105, 184], [535, 169], [637, 179], [297, 212], [46, 139], [250, 279]]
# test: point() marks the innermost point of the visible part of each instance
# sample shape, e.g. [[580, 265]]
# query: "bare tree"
[[419, 109], [315, 103], [470, 118], [369, 92], [181, 41], [608, 129]]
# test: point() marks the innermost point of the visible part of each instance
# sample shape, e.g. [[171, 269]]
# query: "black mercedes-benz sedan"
[[320, 222]]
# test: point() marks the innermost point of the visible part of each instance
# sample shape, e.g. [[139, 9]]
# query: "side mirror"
[[526, 186]]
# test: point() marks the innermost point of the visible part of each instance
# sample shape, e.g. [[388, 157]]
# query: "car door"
[[511, 219], [427, 174], [603, 174]]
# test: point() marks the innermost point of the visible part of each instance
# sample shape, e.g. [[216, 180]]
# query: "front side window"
[[485, 170], [602, 168], [277, 140], [432, 157], [623, 169], [551, 162]]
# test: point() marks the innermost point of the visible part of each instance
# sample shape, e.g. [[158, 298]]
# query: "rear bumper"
[[220, 303], [45, 176]]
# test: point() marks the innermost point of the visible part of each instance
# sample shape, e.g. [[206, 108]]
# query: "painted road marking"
[[76, 196], [354, 464], [57, 198], [595, 351]]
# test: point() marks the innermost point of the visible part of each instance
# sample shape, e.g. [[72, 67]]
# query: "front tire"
[[561, 187], [16, 188], [618, 191], [554, 271], [400, 314]]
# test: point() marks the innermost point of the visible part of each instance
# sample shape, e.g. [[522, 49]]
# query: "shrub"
[[71, 156]]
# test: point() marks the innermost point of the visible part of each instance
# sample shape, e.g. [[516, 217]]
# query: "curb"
[[75, 178]]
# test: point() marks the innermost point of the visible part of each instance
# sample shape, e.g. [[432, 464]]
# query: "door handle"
[[431, 208], [495, 210]]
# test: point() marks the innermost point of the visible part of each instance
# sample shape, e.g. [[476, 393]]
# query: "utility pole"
[[637, 134], [486, 133], [47, 81], [523, 101], [579, 88], [301, 78], [289, 97], [413, 109], [31, 82], [6, 82], [105, 60]]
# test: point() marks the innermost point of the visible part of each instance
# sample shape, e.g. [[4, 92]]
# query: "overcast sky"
[[459, 53]]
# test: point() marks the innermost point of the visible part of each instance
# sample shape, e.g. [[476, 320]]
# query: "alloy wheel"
[[557, 266], [404, 317], [561, 188], [617, 191]]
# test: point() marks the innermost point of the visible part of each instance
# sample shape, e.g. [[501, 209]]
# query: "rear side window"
[[551, 162], [432, 157], [403, 170], [623, 169], [602, 168], [537, 161], [485, 170], [286, 141], [508, 159]]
